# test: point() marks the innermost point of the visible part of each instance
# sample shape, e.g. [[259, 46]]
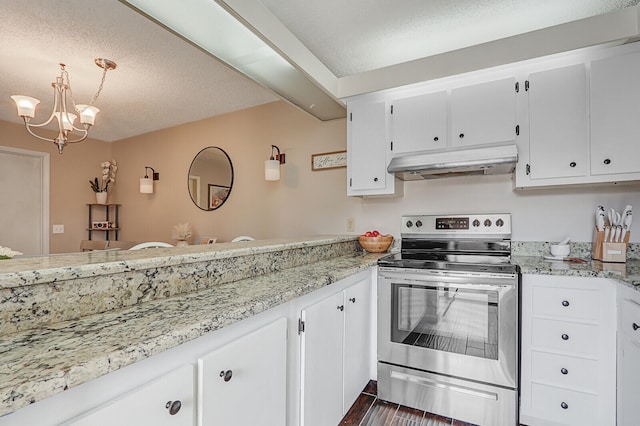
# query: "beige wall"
[[303, 202], [69, 181]]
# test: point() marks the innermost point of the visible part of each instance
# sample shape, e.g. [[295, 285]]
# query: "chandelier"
[[65, 119]]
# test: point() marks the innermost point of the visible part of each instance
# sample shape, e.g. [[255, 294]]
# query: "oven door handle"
[[461, 280]]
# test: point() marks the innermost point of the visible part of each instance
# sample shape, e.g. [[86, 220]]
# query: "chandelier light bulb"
[[87, 113], [26, 105]]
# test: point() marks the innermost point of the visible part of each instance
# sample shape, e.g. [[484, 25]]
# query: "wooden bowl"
[[378, 244]]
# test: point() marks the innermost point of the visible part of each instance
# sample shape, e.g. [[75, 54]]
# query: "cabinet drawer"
[[566, 303], [564, 371], [630, 322], [564, 336], [548, 403]]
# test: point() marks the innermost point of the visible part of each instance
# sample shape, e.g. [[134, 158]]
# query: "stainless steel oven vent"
[[479, 161]]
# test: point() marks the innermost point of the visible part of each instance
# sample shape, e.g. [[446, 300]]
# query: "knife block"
[[609, 252]]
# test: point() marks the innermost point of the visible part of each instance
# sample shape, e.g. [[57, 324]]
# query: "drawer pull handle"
[[564, 405], [352, 299], [564, 371], [226, 375], [635, 326], [565, 337], [173, 407], [565, 303]]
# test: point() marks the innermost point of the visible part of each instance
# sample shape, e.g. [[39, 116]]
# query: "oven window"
[[446, 319]]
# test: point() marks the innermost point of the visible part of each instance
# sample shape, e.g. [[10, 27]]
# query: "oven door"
[[461, 324]]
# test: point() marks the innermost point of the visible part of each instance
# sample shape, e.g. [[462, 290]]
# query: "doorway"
[[24, 191]]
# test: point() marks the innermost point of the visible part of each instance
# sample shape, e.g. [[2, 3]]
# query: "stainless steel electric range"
[[448, 319]]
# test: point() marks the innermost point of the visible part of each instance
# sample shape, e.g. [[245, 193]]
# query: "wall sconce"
[[146, 183], [272, 165]]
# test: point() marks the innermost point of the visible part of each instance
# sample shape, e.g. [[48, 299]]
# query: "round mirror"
[[210, 178]]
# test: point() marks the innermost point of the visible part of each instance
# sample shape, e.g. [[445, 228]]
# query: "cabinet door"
[[244, 382], [614, 115], [419, 123], [321, 359], [150, 404], [367, 148], [357, 340], [558, 123], [484, 113], [629, 361]]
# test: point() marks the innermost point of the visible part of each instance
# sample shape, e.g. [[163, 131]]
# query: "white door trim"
[[44, 168]]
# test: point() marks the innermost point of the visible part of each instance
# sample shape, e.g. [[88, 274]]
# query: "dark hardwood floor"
[[368, 410]]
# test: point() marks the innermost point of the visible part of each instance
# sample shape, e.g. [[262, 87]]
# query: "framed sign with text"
[[329, 160]]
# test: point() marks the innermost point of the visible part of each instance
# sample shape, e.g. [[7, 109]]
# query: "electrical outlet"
[[58, 229], [350, 224]]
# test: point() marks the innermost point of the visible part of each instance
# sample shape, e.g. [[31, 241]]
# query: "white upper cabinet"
[[558, 122], [484, 113], [615, 123], [419, 123], [368, 148]]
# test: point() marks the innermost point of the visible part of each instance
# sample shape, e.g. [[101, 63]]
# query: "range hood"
[[493, 160]]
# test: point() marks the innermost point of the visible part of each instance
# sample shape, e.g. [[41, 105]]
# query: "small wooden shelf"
[[109, 211]]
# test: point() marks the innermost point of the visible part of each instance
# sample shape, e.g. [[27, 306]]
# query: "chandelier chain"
[[65, 77]]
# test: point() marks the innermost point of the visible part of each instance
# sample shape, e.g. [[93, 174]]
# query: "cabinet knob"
[[564, 405], [565, 337], [564, 371], [436, 139], [375, 179], [226, 375], [635, 326], [565, 303], [352, 300], [572, 164], [461, 135], [173, 407], [607, 161], [341, 308]]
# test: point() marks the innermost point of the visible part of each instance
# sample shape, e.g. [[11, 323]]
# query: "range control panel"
[[469, 225]]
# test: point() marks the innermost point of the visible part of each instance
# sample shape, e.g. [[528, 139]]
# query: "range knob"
[[499, 223], [418, 223], [476, 223], [409, 224], [487, 222]]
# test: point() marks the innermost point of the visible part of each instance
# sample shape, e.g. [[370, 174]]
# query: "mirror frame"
[[230, 184]]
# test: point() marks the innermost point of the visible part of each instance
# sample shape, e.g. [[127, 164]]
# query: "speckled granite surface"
[[46, 360], [41, 362], [68, 287], [627, 273]]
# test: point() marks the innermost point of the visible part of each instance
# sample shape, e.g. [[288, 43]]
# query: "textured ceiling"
[[354, 36], [162, 81]]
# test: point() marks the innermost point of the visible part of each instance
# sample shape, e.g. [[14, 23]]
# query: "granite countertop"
[[626, 273], [39, 363], [43, 361], [24, 271]]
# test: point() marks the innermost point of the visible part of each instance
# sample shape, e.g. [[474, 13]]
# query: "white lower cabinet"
[[334, 355], [628, 356], [245, 381], [168, 400], [568, 353]]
